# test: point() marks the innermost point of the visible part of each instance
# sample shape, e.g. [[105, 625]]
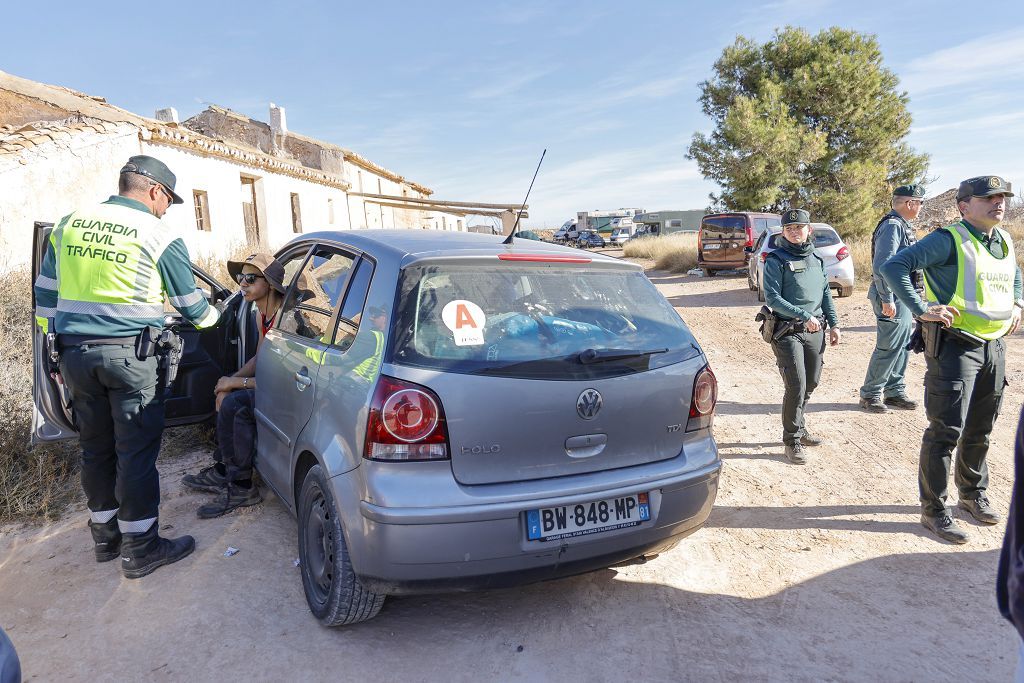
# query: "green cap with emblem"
[[983, 186], [155, 170], [795, 216], [912, 191]]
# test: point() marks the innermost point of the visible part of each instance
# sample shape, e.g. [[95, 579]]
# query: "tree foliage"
[[803, 121]]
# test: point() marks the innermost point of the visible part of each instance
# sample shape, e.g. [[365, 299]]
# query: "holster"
[[767, 319], [931, 334], [169, 349], [916, 340], [52, 347]]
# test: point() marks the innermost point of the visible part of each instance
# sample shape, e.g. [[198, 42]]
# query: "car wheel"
[[333, 592], [710, 273], [846, 291], [760, 295], [750, 283]]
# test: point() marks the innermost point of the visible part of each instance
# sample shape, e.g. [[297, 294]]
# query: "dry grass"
[[676, 253]]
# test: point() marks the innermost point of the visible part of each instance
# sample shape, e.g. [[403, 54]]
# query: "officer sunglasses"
[[170, 199], [248, 278]]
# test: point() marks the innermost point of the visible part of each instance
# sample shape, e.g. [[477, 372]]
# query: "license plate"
[[582, 519], [712, 246]]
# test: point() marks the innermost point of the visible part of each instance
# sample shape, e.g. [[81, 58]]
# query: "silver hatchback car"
[[444, 412]]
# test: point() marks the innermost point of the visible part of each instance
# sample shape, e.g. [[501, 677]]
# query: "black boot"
[[144, 553], [106, 539]]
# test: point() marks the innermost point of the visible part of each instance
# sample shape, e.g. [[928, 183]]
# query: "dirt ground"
[[820, 572]]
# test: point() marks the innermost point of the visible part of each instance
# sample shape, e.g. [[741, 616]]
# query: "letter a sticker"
[[466, 320]]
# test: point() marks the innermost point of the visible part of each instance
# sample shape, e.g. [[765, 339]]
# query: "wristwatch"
[[245, 382]]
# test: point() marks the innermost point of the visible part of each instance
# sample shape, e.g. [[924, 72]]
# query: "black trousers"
[[119, 414], [236, 434], [799, 357], [963, 394]]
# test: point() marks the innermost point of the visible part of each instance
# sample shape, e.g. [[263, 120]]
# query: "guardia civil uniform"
[[796, 289], [103, 280], [884, 385], [978, 275]]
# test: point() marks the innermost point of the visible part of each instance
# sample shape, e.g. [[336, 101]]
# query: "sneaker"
[[900, 402], [208, 479], [945, 527], [810, 440], [873, 405], [230, 498], [980, 509], [795, 453]]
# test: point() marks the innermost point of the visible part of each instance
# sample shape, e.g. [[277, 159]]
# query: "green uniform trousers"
[[799, 357], [963, 390], [119, 414]]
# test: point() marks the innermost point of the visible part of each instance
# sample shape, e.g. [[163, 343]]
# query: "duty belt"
[[66, 341]]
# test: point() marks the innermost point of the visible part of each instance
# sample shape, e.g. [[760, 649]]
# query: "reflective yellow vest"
[[984, 285]]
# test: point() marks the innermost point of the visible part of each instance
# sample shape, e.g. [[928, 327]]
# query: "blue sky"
[[463, 96]]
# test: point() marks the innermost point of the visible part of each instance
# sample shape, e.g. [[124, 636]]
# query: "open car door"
[[206, 356]]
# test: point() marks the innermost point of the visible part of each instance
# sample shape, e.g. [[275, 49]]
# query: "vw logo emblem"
[[588, 405]]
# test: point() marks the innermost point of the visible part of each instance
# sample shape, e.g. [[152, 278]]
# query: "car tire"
[[760, 295], [709, 272], [846, 291], [333, 592], [750, 283]]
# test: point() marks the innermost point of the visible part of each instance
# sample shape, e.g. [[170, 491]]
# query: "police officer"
[[883, 385], [796, 289], [973, 290], [103, 280]]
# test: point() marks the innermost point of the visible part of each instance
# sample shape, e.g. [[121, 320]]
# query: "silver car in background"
[[828, 245], [443, 412]]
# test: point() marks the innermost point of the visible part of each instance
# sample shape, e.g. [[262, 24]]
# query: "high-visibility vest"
[[984, 284], [368, 368]]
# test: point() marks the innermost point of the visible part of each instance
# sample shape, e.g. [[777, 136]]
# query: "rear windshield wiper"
[[588, 356]]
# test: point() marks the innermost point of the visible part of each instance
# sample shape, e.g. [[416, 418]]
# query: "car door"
[[289, 359], [207, 354]]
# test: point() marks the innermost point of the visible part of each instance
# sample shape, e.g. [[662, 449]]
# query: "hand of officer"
[[940, 314], [1014, 320], [224, 384], [812, 325], [889, 310], [834, 336]]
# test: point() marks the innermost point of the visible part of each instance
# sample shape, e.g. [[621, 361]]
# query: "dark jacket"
[[795, 285], [1010, 578]]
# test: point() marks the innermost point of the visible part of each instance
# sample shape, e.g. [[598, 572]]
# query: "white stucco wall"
[[49, 181]]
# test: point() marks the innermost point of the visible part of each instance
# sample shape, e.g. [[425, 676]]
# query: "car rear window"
[[823, 237], [723, 227], [535, 321]]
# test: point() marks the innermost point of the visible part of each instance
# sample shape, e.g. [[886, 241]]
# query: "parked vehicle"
[[525, 412], [529, 235], [724, 237], [589, 238], [621, 235], [562, 234], [827, 244]]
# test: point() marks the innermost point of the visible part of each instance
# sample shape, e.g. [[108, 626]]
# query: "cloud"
[[974, 124], [985, 61], [506, 84]]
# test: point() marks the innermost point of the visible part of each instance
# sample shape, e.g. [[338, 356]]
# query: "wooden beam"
[[443, 209]]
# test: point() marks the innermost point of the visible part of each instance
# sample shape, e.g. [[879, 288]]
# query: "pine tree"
[[812, 122]]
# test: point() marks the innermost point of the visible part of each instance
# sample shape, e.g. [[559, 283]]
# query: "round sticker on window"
[[466, 321]]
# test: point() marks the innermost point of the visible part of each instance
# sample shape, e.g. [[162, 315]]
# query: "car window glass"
[[352, 309], [723, 227], [534, 321], [312, 300], [823, 237]]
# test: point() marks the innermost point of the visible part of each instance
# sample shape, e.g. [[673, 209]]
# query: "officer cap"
[[795, 216], [913, 191], [983, 186], [155, 170], [271, 268]]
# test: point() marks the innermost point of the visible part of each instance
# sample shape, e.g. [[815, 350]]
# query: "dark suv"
[[724, 238]]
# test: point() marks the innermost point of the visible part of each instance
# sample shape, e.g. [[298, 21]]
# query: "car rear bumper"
[[397, 549], [841, 274]]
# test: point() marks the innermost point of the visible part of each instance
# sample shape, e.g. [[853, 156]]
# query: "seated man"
[[261, 278]]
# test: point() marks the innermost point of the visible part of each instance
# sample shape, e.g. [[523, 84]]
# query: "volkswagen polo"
[[444, 412]]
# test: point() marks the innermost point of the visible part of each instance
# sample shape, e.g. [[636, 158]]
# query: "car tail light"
[[699, 233], [406, 422], [750, 237], [702, 403], [764, 256], [844, 252]]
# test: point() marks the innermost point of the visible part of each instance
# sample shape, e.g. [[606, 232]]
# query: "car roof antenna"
[[508, 240]]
